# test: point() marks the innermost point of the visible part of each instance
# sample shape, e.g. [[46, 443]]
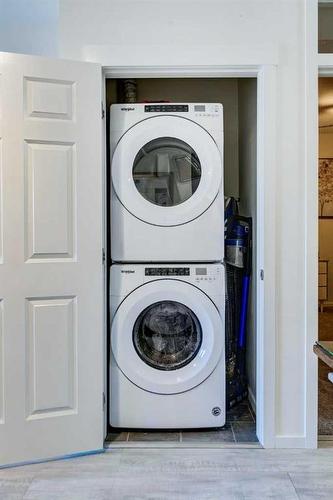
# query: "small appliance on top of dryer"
[[167, 362], [167, 182]]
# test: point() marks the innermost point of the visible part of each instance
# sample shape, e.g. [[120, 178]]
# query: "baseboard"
[[290, 442], [252, 400]]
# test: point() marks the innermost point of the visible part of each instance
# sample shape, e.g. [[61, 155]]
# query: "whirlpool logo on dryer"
[[127, 109], [127, 271]]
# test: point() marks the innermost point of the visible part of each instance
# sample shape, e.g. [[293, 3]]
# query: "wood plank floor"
[[181, 474]]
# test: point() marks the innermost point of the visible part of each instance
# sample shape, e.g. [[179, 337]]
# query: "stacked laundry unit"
[[167, 360]]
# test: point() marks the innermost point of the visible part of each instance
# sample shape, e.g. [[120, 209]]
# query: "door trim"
[[311, 223]]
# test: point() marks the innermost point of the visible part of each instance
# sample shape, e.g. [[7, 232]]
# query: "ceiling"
[[325, 103]]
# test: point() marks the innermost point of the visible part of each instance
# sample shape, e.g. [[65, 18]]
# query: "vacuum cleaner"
[[238, 263]]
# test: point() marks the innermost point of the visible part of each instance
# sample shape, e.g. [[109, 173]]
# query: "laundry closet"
[[238, 97]]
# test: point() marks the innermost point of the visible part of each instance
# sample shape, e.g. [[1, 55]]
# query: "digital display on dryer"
[[167, 271], [200, 107]]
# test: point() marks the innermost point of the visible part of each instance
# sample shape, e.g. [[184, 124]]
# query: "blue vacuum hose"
[[243, 312]]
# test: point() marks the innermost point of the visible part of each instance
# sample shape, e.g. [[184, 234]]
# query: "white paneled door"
[[51, 269]]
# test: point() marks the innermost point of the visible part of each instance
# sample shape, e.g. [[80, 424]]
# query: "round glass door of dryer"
[[166, 170], [167, 336]]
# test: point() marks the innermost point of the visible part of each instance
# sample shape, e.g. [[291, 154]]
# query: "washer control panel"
[[127, 277], [204, 274], [197, 273], [167, 271]]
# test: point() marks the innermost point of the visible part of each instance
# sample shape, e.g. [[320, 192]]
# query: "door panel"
[[50, 191], [51, 272], [52, 380], [52, 99]]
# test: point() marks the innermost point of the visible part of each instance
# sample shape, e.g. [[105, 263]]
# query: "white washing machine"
[[167, 362], [167, 182]]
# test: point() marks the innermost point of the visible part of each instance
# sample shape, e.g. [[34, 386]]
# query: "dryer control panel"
[[166, 108], [198, 110]]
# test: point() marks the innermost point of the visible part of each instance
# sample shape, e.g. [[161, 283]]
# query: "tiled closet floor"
[[240, 429]]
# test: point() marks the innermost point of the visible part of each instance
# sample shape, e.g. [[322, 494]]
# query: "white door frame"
[[266, 217]]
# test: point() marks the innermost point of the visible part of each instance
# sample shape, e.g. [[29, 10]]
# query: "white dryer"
[[167, 360], [167, 182]]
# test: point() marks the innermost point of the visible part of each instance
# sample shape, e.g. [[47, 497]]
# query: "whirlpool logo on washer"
[[127, 109], [127, 271]]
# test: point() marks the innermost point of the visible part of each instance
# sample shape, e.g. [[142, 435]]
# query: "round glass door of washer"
[[166, 171], [167, 335]]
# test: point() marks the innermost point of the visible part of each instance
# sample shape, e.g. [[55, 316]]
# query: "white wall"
[[29, 26], [174, 32]]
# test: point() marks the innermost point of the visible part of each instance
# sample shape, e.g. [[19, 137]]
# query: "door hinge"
[[104, 401], [103, 256], [262, 274], [103, 112]]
